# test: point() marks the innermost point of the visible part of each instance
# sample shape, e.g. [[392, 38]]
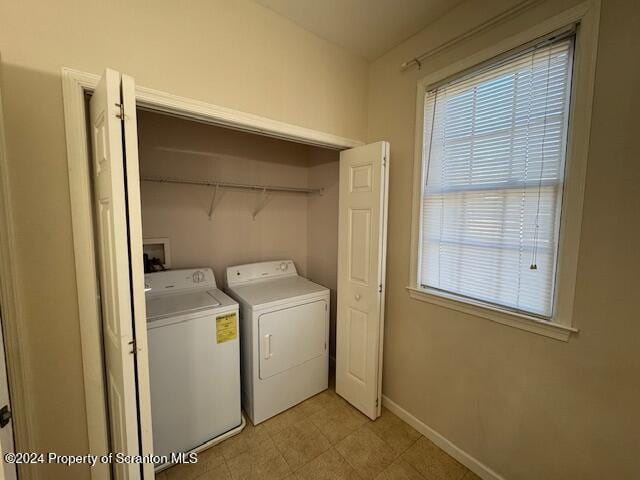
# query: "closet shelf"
[[242, 186]]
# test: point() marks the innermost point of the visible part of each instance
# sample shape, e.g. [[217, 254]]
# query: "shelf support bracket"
[[262, 202], [215, 201]]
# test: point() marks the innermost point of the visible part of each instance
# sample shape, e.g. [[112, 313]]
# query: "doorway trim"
[[75, 86]]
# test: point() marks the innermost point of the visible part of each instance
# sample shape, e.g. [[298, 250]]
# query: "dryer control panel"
[[252, 272]]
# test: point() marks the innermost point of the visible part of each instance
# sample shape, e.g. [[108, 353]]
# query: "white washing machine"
[[194, 360], [284, 329]]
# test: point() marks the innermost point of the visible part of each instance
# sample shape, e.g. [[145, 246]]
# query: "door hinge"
[[120, 112], [380, 288], [133, 346], [377, 401], [5, 416]]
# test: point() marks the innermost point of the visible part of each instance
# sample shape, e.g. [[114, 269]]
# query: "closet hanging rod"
[[243, 186]]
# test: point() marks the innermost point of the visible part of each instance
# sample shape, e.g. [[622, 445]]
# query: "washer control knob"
[[284, 266], [198, 276]]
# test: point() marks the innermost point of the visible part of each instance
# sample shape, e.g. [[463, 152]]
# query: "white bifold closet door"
[[119, 242], [361, 270]]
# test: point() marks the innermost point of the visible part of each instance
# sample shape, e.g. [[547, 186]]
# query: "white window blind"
[[494, 150]]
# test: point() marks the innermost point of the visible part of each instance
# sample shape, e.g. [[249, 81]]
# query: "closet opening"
[[221, 197], [226, 197], [211, 198], [214, 246]]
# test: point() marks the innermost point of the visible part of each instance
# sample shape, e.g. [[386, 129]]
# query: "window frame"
[[583, 18]]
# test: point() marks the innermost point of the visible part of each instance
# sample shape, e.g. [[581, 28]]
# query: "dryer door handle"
[[267, 346]]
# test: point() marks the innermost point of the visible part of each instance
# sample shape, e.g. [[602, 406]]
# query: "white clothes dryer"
[[284, 329]]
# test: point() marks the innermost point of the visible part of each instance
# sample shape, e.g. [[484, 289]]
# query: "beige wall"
[[527, 406], [232, 236], [231, 53], [322, 231]]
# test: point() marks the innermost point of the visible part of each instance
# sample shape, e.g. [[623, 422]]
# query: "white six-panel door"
[[361, 271], [115, 173]]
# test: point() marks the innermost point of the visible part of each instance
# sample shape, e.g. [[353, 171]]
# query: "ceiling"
[[368, 28]]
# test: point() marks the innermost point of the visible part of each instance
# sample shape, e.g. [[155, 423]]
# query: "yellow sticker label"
[[226, 327]]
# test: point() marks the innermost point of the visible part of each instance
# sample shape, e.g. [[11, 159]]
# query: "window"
[[493, 154]]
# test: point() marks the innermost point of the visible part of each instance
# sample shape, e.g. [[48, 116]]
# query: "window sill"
[[505, 317]]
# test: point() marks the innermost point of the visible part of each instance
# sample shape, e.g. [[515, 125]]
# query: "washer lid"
[[267, 291], [179, 303]]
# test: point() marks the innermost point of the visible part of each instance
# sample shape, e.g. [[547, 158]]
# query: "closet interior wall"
[[302, 227]]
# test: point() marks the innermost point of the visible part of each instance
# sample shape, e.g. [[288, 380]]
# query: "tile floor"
[[324, 438]]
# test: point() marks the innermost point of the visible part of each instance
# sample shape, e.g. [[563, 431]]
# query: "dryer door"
[[292, 336]]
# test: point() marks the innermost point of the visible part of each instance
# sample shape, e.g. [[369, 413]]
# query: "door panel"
[[357, 345], [361, 178], [292, 336], [361, 270], [359, 245], [114, 267]]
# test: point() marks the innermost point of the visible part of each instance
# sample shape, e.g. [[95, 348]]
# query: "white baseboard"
[[472, 463]]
